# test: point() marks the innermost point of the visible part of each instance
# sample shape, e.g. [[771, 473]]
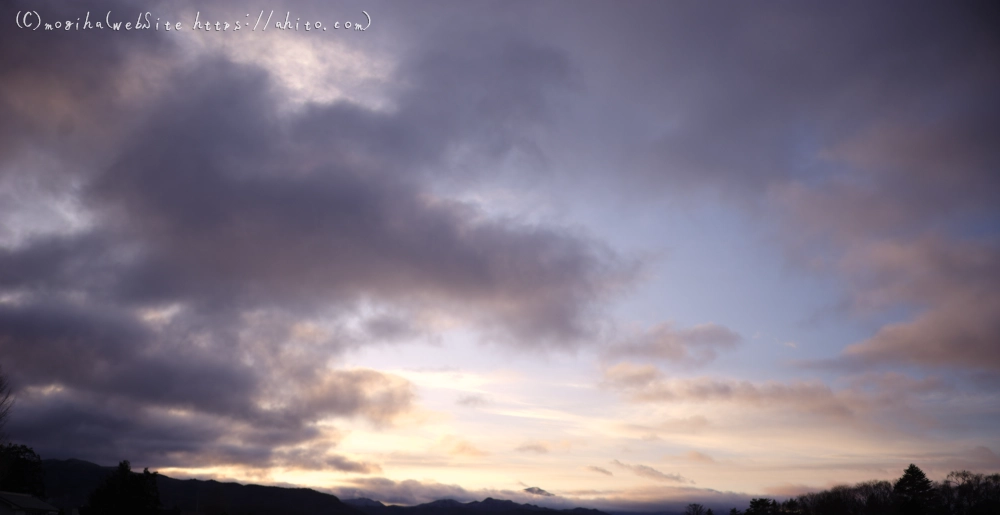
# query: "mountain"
[[362, 501], [451, 507], [68, 484]]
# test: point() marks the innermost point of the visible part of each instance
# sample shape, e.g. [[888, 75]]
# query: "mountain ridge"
[[69, 482]]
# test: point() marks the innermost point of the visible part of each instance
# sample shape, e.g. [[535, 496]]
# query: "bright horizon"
[[632, 255]]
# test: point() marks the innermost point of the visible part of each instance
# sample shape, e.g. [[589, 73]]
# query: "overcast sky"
[[632, 254]]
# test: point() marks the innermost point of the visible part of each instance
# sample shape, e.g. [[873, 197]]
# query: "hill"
[[68, 484], [451, 507]]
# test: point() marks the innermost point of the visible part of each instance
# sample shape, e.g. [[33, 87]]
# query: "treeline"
[[961, 493]]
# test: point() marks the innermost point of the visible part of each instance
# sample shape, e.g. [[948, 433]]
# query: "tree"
[[694, 509], [875, 495], [6, 403], [968, 493], [914, 493], [21, 470], [791, 506], [762, 507], [125, 493], [735, 511]]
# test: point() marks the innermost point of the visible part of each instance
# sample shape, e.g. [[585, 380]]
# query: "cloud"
[[626, 374], [640, 499], [957, 325], [315, 458], [170, 393], [789, 490], [651, 473], [644, 384], [534, 447], [681, 425], [327, 234], [600, 470], [870, 402], [409, 492], [472, 401], [178, 281], [221, 251], [456, 446], [698, 457], [697, 345], [534, 490]]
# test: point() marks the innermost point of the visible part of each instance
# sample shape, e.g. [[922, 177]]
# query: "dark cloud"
[[184, 256], [152, 394], [192, 314], [226, 215], [52, 86], [534, 490], [317, 459]]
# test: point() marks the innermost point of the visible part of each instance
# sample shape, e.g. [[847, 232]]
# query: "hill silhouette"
[[68, 483], [453, 507]]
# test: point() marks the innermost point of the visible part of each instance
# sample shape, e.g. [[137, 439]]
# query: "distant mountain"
[[452, 507], [68, 484], [362, 501]]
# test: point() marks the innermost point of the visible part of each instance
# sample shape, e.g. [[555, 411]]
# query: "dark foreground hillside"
[[68, 484], [488, 506]]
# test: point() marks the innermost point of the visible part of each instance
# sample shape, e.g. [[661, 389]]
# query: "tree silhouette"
[[875, 496], [914, 493], [125, 493], [694, 509], [762, 507], [21, 470], [791, 506], [967, 493]]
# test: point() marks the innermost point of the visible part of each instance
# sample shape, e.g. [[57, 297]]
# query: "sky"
[[615, 255]]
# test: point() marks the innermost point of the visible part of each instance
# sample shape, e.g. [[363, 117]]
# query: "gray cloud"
[[129, 390], [694, 346], [533, 447], [472, 401], [646, 384], [651, 473], [957, 324], [600, 470], [409, 492], [228, 234], [208, 227], [220, 229]]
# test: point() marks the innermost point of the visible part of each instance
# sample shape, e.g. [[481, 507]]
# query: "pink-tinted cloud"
[[696, 345]]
